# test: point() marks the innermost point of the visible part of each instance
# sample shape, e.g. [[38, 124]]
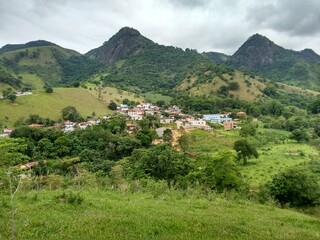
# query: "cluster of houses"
[[69, 126], [171, 115], [185, 121]]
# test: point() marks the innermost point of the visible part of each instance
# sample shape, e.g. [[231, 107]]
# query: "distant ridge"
[[14, 47]]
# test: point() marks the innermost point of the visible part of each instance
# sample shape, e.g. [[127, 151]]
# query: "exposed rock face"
[[256, 52], [126, 42]]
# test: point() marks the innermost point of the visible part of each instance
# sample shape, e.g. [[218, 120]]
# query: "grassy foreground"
[[114, 215]]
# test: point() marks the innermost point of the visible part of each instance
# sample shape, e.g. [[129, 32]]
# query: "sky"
[[205, 25]]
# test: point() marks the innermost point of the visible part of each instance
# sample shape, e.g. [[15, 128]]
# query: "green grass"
[[154, 97], [108, 94], [33, 80], [50, 105], [210, 142], [275, 154], [276, 158], [114, 215]]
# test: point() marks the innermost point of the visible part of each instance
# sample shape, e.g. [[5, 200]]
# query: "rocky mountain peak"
[[127, 41]]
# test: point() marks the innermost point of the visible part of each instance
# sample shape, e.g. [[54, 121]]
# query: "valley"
[[137, 140]]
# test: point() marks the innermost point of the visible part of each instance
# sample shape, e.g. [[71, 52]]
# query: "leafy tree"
[[117, 124], [70, 113], [112, 106], [295, 186], [12, 97], [223, 90], [270, 91], [300, 134], [233, 86], [160, 162], [315, 106], [49, 89], [145, 136], [6, 92], [220, 172], [245, 150], [167, 135], [161, 103], [248, 130], [13, 151]]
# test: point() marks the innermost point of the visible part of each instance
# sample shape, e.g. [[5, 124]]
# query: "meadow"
[[275, 154], [106, 214], [50, 105]]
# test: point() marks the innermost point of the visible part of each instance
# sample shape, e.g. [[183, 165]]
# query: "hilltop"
[[263, 57]]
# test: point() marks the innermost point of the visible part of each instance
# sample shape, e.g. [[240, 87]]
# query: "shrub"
[[71, 198], [295, 186]]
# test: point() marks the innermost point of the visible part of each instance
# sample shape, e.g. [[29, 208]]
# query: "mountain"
[[309, 55], [265, 58], [135, 63], [13, 47], [126, 42], [216, 57], [38, 63]]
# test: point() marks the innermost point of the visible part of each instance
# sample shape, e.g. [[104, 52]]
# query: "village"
[[171, 115]]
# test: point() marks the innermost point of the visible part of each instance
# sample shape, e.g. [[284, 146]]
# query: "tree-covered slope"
[[136, 63]]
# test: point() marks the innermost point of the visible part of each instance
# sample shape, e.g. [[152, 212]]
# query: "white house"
[[218, 118], [166, 120], [136, 117]]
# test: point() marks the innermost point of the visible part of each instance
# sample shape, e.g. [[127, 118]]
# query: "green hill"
[[86, 101], [263, 57], [35, 64], [135, 63]]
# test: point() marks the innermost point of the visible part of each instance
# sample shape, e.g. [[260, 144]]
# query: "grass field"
[[273, 157], [50, 105], [108, 94], [246, 92], [114, 215]]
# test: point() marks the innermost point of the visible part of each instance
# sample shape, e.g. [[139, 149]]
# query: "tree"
[[112, 106], [167, 135], [145, 136], [12, 97], [160, 162], [245, 150], [233, 86], [296, 186], [48, 89], [315, 106], [6, 92], [248, 130], [70, 113], [223, 90], [300, 134], [220, 172]]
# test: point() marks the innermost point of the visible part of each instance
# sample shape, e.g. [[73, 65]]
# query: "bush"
[[71, 198], [295, 186]]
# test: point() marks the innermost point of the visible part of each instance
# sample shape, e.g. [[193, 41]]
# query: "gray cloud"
[[205, 25], [298, 18]]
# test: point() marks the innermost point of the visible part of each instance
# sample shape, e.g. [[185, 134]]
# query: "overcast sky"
[[205, 25]]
